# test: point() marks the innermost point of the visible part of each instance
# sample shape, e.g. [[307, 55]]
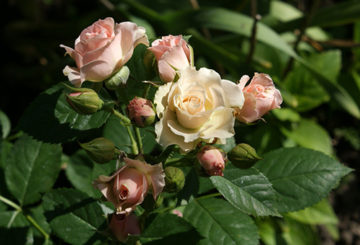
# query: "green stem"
[[209, 195], [28, 217], [124, 119], [37, 226], [10, 203], [139, 140], [134, 147]]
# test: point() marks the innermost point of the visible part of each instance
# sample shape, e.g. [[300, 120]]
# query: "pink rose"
[[212, 160], [128, 186], [141, 112], [170, 52], [260, 95], [122, 225], [102, 49]]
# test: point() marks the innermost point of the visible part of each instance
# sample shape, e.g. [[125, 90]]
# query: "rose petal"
[[96, 71], [161, 98], [220, 124], [73, 75], [233, 94]]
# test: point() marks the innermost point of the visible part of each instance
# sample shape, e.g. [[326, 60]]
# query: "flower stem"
[[124, 119], [139, 140], [28, 217], [10, 203], [134, 147], [209, 195]]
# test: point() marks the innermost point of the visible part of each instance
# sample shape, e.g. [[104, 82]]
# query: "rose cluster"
[[195, 108]]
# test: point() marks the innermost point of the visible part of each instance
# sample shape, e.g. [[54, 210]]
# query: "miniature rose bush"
[[102, 49], [197, 107]]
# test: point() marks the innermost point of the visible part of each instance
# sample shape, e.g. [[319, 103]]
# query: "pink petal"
[[73, 75]]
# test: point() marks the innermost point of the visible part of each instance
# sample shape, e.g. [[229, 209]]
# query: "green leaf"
[[168, 228], [66, 115], [4, 124], [318, 214], [248, 190], [300, 177], [117, 133], [40, 122], [81, 171], [12, 219], [311, 135], [221, 223], [336, 14], [73, 216], [32, 168], [5, 148]]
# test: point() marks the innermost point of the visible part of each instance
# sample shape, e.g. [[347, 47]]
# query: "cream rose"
[[196, 107], [102, 49]]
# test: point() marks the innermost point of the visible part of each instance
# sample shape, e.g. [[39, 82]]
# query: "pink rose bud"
[[212, 160], [123, 225], [260, 95], [172, 53], [141, 112], [102, 49], [127, 187]]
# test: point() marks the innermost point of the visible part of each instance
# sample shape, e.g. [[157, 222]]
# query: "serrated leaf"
[[81, 171], [117, 133], [66, 115], [168, 228], [40, 122], [248, 190], [73, 216], [32, 168], [318, 214], [221, 223], [301, 177]]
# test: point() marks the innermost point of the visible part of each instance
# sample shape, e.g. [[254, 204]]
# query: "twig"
[[256, 18]]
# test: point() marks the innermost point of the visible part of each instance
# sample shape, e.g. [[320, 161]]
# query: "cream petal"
[[220, 124], [165, 137], [233, 94], [191, 121], [161, 98]]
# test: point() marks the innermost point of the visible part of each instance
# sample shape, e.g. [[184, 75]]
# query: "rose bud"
[[243, 156], [85, 102], [123, 225], [141, 112], [212, 160], [174, 179], [101, 150], [172, 53], [102, 49], [119, 78], [127, 187], [260, 95]]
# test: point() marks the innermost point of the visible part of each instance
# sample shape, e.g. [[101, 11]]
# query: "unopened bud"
[[119, 78], [141, 112], [212, 160], [86, 101], [124, 225], [100, 150], [174, 179], [243, 156]]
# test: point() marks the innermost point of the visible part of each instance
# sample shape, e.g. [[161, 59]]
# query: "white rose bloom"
[[196, 107]]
